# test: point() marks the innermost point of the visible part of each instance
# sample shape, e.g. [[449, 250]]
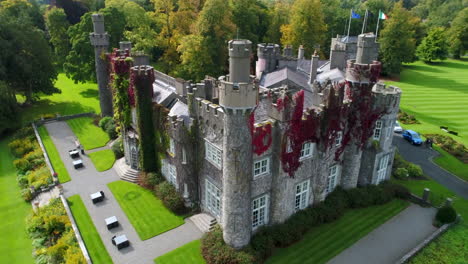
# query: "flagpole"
[[364, 24], [377, 29], [349, 25]]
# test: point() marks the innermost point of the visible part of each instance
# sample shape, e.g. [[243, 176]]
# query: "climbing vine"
[[261, 136], [119, 81]]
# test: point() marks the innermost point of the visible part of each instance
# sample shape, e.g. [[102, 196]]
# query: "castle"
[[251, 150]]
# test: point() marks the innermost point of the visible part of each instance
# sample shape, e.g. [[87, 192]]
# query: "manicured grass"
[[188, 253], [54, 156], [322, 243], [102, 160], [90, 136], [437, 94], [451, 247], [93, 242], [452, 164], [147, 214], [16, 247], [74, 99]]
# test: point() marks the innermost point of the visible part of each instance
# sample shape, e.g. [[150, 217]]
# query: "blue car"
[[412, 137]]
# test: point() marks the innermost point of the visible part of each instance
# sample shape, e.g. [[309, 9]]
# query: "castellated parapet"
[[365, 48], [268, 55]]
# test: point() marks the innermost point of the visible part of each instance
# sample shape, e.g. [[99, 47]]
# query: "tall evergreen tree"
[[57, 26], [434, 46], [306, 27], [397, 41]]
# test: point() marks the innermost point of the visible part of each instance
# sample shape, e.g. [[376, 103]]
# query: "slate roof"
[[272, 78], [165, 95]]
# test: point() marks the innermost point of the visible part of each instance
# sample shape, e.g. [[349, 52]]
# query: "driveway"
[[392, 240], [422, 156], [88, 180]]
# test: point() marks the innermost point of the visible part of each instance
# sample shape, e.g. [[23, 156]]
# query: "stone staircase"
[[204, 222], [125, 172]]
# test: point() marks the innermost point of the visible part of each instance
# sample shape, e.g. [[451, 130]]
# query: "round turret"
[[98, 23], [239, 60], [365, 48]]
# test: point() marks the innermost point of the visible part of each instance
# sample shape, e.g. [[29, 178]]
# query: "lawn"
[[188, 253], [90, 135], [452, 164], [437, 94], [16, 246], [451, 247], [74, 99], [147, 214], [88, 231], [322, 243], [54, 156], [102, 160]]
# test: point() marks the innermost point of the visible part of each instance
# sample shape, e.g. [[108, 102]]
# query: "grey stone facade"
[[219, 170]]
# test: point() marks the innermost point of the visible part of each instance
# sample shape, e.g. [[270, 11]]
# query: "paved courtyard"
[[87, 180], [392, 240]]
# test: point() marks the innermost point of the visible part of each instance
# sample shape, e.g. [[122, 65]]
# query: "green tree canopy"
[[434, 46], [57, 26], [251, 19], [397, 41], [8, 109], [79, 64], [458, 34], [306, 27]]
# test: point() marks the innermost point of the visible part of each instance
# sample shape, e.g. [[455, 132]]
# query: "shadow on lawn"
[[426, 68], [46, 106], [90, 93]]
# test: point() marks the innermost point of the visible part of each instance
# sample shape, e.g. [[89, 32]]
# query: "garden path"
[[392, 240], [423, 156], [44, 198], [87, 180]]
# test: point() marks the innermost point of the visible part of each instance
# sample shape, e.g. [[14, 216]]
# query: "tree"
[[458, 34], [434, 46], [205, 51], [397, 41], [57, 26], [279, 16], [306, 27], [24, 11], [8, 109], [26, 62], [74, 10], [79, 63], [251, 19]]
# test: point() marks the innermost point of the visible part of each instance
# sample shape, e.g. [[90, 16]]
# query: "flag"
[[355, 15], [382, 15]]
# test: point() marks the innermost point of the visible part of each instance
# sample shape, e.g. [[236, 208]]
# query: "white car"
[[397, 128]]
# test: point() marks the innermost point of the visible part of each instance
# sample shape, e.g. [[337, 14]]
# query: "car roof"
[[412, 132]]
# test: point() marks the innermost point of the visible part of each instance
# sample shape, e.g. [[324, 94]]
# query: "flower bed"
[[53, 237], [450, 145]]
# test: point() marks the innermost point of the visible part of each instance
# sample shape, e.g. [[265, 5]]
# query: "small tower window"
[[235, 86]]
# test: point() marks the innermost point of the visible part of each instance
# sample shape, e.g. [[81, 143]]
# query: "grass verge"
[[188, 253], [452, 164], [54, 156], [90, 136], [17, 247], [324, 242], [147, 214], [102, 160], [96, 249]]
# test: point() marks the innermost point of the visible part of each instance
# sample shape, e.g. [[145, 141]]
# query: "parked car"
[[397, 128], [412, 137]]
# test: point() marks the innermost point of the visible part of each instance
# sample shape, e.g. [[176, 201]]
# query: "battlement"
[[237, 95], [386, 97], [239, 48], [366, 48], [381, 88], [98, 23], [265, 50], [363, 73], [99, 40], [125, 45], [209, 114]]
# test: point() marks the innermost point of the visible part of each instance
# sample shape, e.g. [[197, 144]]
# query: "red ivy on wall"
[[261, 136]]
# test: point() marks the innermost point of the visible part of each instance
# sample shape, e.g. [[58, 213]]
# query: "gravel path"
[[87, 180]]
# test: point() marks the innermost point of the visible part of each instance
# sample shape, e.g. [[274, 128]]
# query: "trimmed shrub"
[[104, 121], [414, 171], [108, 125], [262, 243], [401, 173], [446, 215], [22, 165], [117, 148], [149, 180], [215, 251], [170, 197], [26, 194]]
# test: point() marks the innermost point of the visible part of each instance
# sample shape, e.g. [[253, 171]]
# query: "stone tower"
[[100, 40], [268, 55], [238, 96]]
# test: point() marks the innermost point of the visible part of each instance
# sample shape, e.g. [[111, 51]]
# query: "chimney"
[[300, 53], [287, 51], [313, 67]]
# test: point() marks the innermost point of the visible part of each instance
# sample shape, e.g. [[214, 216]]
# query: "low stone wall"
[[62, 118], [426, 242], [76, 230]]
